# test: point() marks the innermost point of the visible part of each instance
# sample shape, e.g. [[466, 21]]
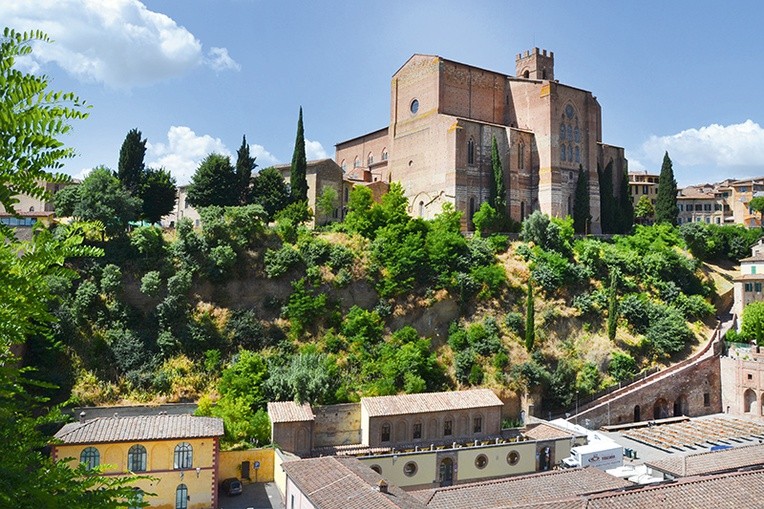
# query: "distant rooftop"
[[430, 402], [710, 462], [289, 411], [144, 427]]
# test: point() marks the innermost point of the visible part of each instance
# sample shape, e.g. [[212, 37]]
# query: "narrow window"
[[181, 497], [471, 151], [448, 428], [417, 433], [562, 152], [385, 435], [356, 162], [344, 166], [578, 155], [384, 154], [184, 456], [757, 287], [472, 208], [477, 425], [370, 159], [706, 399], [421, 209], [136, 458]]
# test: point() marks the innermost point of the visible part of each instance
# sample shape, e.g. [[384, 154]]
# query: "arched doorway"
[[681, 407], [446, 472], [637, 413], [660, 409], [545, 459], [749, 401]]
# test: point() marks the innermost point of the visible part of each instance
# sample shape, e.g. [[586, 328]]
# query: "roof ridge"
[[77, 428]]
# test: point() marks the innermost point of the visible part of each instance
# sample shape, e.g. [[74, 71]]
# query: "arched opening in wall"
[[749, 401], [526, 74], [301, 441], [681, 407], [544, 459], [637, 413], [400, 431], [543, 74], [446, 472], [660, 409]]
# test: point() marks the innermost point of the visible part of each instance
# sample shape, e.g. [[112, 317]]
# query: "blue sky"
[[195, 75]]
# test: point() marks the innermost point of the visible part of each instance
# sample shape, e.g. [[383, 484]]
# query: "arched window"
[[471, 151], [370, 159], [356, 162], [181, 497], [472, 208], [578, 155], [562, 152], [90, 457], [526, 74], [562, 132], [136, 458], [344, 166], [31, 209], [385, 433], [384, 154], [184, 456], [521, 156], [421, 209]]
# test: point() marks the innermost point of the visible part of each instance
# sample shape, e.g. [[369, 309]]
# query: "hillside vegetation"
[[241, 312]]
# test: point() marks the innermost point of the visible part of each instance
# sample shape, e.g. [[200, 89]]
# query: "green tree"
[[625, 207], [157, 193], [270, 191], [103, 199], [581, 215], [530, 320], [327, 201], [310, 377], [757, 204], [607, 202], [666, 210], [753, 322], [31, 121], [497, 188], [245, 165], [644, 211], [130, 167], [298, 182], [612, 307], [214, 183]]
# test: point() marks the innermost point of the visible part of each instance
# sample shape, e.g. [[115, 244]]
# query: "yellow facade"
[[230, 464], [161, 486]]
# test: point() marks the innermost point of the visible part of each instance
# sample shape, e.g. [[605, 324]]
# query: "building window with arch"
[[472, 208], [471, 151], [562, 152], [184, 456], [90, 457], [136, 458], [521, 156], [344, 166], [417, 431], [385, 433], [356, 162], [421, 209], [477, 425], [181, 497], [570, 133], [448, 428], [384, 154], [370, 159]]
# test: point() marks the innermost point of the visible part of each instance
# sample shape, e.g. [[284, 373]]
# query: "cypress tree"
[[530, 329], [612, 306], [607, 209], [244, 166], [130, 167], [298, 181], [581, 215], [625, 206], [497, 190], [666, 210]]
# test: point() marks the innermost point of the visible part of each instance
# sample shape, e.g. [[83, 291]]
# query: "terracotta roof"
[[754, 258], [743, 489], [545, 431], [522, 490], [749, 277], [710, 462], [430, 402], [142, 427], [289, 411], [345, 483]]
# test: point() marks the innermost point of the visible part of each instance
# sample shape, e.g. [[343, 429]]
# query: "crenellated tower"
[[535, 65]]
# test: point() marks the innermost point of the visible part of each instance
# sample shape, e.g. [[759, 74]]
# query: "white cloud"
[[314, 150], [120, 43], [264, 158], [183, 152], [713, 145], [220, 60]]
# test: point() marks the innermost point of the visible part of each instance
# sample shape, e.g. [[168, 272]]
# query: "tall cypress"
[[625, 206], [497, 190], [581, 213], [530, 319], [130, 167], [666, 210], [607, 212], [298, 180], [244, 166], [612, 308]]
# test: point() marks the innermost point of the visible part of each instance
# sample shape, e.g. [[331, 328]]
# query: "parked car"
[[231, 486]]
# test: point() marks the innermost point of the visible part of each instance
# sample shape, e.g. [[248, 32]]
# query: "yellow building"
[[180, 453]]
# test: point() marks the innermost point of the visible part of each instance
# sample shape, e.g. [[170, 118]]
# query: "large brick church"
[[443, 116]]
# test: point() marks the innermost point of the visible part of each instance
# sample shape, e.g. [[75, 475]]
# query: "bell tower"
[[535, 65]]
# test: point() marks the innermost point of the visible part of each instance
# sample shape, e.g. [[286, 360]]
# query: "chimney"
[[382, 486], [82, 417]]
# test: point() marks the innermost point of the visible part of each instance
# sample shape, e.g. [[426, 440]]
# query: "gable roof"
[[332, 482], [430, 402], [710, 462], [546, 431], [522, 490], [289, 411], [141, 427]]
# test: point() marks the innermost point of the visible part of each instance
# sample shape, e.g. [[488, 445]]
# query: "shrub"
[[279, 262], [340, 257], [151, 283], [304, 308], [622, 366], [111, 280], [314, 251], [693, 307], [516, 322], [490, 279]]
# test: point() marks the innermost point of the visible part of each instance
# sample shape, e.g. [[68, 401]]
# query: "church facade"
[[444, 116]]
